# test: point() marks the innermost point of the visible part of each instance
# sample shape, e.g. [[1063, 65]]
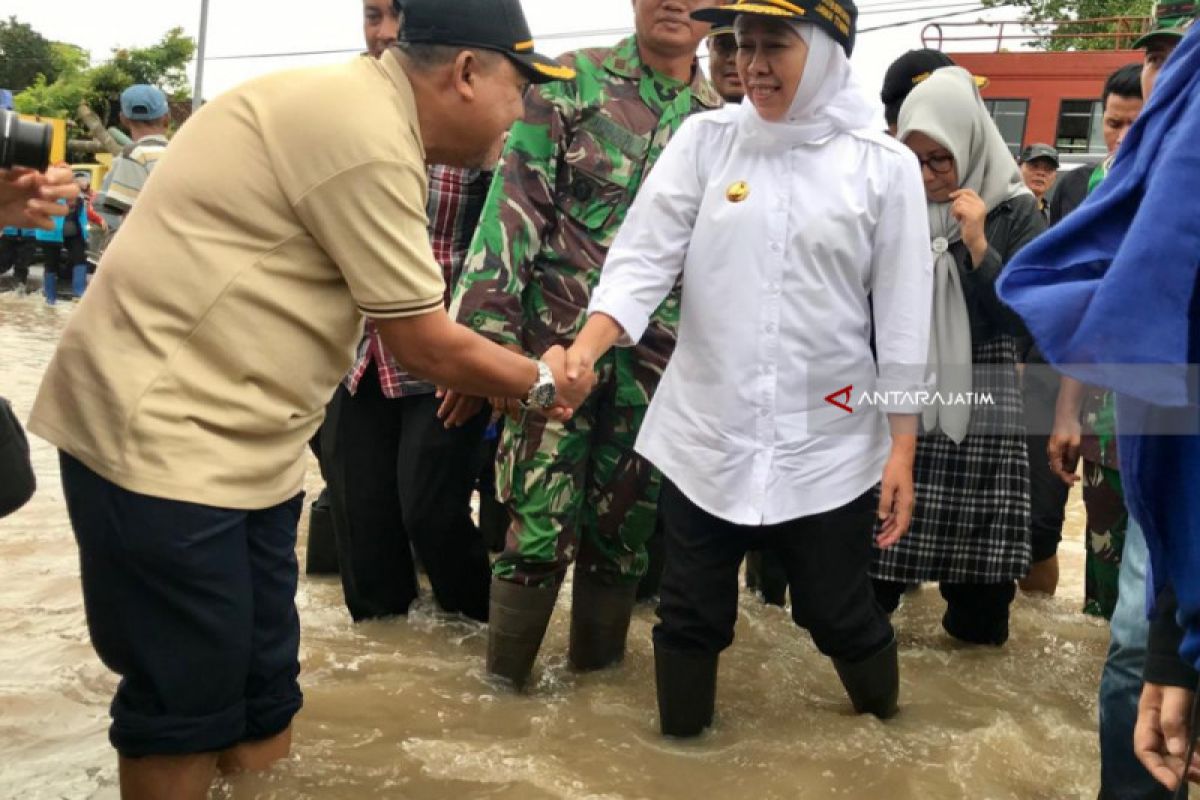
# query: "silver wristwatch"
[[543, 393]]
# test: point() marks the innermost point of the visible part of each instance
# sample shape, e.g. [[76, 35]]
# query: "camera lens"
[[24, 144]]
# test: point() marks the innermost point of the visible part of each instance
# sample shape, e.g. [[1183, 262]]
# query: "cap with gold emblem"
[[1172, 18], [909, 71], [497, 25], [837, 17]]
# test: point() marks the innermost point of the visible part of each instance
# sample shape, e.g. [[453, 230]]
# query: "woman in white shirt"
[[794, 225]]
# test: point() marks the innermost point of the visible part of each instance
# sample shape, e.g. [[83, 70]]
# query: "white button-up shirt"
[[780, 280]]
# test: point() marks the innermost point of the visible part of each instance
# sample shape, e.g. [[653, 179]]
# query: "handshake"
[[574, 379]]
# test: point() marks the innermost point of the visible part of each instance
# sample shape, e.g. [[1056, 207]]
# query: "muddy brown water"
[[401, 708]]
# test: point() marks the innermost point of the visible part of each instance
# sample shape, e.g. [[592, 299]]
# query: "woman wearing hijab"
[[784, 217], [970, 529]]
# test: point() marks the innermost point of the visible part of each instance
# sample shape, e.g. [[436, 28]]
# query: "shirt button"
[[770, 328], [776, 247], [762, 412]]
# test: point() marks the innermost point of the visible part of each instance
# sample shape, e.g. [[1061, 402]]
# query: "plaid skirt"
[[971, 523]]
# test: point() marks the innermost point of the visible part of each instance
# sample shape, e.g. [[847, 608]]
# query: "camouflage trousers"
[[1107, 524], [576, 490]]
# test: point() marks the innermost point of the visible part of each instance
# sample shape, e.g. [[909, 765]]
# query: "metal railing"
[[1124, 31]]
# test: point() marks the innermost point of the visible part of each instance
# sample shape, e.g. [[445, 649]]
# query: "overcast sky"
[[241, 27]]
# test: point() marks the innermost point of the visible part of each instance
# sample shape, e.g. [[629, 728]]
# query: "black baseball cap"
[[838, 18], [497, 25], [911, 69], [1036, 151]]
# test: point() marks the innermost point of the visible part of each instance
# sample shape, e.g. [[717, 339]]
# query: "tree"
[[1080, 35], [163, 64], [24, 54]]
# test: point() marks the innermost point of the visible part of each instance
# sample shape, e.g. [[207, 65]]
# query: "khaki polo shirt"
[[228, 307]]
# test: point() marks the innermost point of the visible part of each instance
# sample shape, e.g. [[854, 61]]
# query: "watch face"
[[544, 395]]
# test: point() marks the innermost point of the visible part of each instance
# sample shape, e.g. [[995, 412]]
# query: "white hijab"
[[828, 100], [947, 108]]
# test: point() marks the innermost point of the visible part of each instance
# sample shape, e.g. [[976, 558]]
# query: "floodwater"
[[401, 709]]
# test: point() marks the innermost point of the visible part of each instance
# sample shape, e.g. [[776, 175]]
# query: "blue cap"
[[144, 103], [6, 101]]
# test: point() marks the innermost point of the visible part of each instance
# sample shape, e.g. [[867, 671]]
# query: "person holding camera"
[[29, 198]]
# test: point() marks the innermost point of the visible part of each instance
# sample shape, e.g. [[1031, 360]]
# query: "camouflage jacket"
[[569, 173]]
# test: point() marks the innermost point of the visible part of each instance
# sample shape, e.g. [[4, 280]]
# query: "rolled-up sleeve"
[[648, 255], [902, 289]]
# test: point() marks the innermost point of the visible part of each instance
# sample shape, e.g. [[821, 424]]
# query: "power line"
[[883, 7], [886, 6], [903, 23], [582, 34], [285, 55], [935, 6]]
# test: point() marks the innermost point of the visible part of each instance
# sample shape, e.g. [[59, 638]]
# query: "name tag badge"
[[737, 192]]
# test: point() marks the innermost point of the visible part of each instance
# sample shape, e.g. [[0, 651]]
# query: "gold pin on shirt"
[[738, 192]]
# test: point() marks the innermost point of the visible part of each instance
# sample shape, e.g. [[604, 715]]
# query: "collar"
[[625, 61], [154, 138], [389, 64]]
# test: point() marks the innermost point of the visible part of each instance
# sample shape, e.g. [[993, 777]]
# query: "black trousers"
[[61, 257], [975, 612], [766, 576], [826, 557], [398, 482], [493, 516], [195, 608], [17, 253], [1047, 493]]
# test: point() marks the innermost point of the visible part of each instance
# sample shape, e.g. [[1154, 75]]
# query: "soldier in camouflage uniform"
[[569, 173]]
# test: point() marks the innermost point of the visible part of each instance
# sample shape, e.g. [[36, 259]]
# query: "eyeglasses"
[[938, 165]]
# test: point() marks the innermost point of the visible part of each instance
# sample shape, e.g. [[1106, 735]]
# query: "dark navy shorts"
[[194, 607]]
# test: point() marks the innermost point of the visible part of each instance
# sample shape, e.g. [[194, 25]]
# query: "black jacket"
[[1164, 665], [1009, 227], [1069, 194]]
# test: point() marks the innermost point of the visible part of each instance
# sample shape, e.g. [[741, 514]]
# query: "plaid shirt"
[[455, 200]]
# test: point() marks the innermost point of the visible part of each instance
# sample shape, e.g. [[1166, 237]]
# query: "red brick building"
[[1035, 95], [1049, 97]]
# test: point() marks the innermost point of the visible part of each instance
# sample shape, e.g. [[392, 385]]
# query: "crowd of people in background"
[[64, 252], [649, 412]]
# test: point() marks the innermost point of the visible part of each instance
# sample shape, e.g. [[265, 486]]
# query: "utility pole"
[[198, 92]]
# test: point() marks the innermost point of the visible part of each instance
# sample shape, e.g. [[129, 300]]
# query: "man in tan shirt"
[[187, 384]]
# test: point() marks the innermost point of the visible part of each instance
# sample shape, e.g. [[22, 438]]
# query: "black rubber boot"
[[873, 683], [517, 622], [973, 629], [687, 691], [321, 558], [599, 621]]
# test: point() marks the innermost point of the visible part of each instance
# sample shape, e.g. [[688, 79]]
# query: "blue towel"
[[1115, 284]]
